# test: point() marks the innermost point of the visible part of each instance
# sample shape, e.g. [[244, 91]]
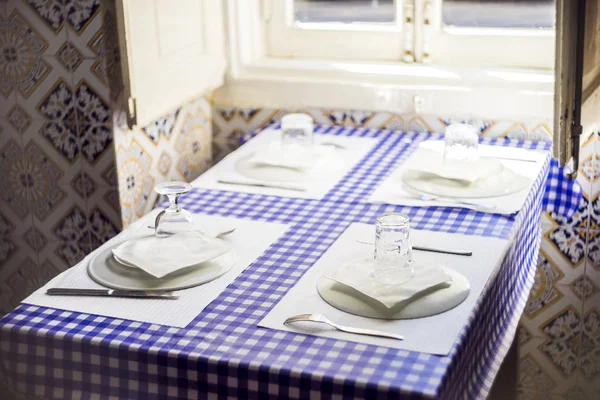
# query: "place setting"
[[165, 268], [407, 289], [460, 172], [291, 161]]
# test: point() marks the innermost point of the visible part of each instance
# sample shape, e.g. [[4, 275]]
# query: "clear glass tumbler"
[[174, 219], [461, 143], [393, 251], [297, 135]]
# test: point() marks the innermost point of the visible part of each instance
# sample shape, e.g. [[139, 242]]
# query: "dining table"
[[224, 353]]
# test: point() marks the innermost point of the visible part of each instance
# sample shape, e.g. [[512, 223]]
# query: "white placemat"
[[435, 334], [356, 148], [250, 240], [391, 190]]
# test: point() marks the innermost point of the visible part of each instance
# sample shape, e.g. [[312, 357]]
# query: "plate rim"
[[320, 284], [526, 183], [133, 265], [108, 252]]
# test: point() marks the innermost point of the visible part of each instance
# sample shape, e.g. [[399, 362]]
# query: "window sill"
[[489, 93]]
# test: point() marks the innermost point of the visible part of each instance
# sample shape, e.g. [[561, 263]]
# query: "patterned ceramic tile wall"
[[231, 123], [560, 329], [55, 133], [70, 175], [69, 179], [176, 146]]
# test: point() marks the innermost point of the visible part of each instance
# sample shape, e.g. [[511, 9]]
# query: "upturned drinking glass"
[[461, 143], [393, 251], [174, 219], [297, 135]]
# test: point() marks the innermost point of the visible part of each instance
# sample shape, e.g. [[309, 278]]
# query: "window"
[[523, 14], [448, 32], [500, 33], [489, 58], [375, 11], [350, 29]]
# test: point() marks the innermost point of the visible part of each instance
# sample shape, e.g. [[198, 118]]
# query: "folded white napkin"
[[162, 256], [357, 275], [432, 161], [485, 150], [392, 190], [300, 158]]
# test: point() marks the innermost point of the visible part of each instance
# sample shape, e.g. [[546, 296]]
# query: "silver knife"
[[111, 293], [510, 158], [442, 251], [430, 249], [265, 185]]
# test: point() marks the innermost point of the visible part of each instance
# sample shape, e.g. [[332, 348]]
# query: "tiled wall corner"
[[230, 124], [177, 146]]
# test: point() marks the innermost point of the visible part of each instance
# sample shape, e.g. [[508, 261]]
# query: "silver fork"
[[359, 331]]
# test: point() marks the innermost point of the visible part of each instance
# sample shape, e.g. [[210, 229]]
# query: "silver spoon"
[[359, 331]]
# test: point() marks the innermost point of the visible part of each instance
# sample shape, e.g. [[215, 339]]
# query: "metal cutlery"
[[216, 234], [221, 234], [264, 185], [111, 293], [431, 249], [348, 329], [428, 197], [337, 146], [510, 158]]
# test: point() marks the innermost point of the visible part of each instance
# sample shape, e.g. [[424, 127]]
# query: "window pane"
[[345, 11], [499, 13]]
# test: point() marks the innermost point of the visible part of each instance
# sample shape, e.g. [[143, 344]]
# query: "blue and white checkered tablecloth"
[[61, 354]]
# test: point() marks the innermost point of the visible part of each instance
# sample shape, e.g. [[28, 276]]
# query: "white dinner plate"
[[155, 255], [107, 271], [272, 173], [501, 184], [352, 301]]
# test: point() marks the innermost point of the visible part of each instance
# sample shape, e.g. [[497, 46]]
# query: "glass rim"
[[297, 116], [402, 219], [462, 127], [172, 187], [296, 120]]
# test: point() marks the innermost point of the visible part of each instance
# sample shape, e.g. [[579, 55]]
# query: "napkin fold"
[[299, 159], [392, 190], [162, 256], [432, 162], [357, 276]]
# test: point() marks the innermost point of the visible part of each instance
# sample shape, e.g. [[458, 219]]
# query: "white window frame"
[[258, 79]]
